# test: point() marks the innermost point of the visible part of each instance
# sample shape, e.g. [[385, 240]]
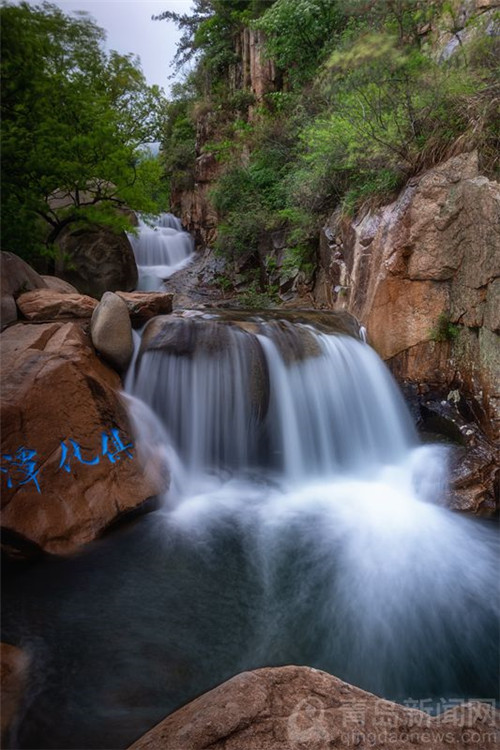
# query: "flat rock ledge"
[[301, 708]]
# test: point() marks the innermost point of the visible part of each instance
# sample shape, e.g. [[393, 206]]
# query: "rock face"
[[100, 261], [47, 304], [299, 707], [111, 331], [142, 306], [16, 277], [14, 665], [252, 74], [69, 462], [423, 276]]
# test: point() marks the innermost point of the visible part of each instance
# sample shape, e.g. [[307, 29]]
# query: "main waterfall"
[[297, 448]]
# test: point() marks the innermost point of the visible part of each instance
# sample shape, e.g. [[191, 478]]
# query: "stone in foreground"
[[300, 708], [69, 463], [111, 331]]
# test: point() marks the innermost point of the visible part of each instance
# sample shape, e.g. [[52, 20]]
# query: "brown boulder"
[[47, 304], [100, 260], [70, 465], [16, 277], [303, 708], [14, 665], [142, 306]]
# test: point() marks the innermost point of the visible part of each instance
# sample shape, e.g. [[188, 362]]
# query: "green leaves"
[[73, 121]]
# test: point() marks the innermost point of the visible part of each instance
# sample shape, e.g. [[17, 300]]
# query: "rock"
[[16, 277], [67, 469], [142, 306], [299, 707], [111, 331], [59, 285], [100, 260], [46, 304], [14, 665], [423, 277]]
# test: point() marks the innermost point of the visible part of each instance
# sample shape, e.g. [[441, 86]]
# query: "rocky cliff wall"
[[253, 73], [422, 275]]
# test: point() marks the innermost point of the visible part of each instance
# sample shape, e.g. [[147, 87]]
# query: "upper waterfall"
[[161, 247]]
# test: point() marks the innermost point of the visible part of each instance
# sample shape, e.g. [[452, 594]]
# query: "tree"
[[74, 124]]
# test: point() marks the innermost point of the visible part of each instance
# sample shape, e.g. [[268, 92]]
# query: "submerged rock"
[[14, 666], [69, 464], [299, 707], [111, 331]]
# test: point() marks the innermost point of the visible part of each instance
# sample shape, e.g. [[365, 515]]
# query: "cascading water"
[[161, 247], [360, 566], [304, 526]]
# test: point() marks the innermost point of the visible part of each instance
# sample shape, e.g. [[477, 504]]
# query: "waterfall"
[[161, 248], [297, 442]]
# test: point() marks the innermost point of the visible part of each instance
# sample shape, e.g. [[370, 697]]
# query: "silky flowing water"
[[304, 525], [161, 248]]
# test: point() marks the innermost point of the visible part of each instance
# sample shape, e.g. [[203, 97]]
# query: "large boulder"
[[299, 707], [70, 466], [111, 331], [99, 260], [16, 277], [47, 304]]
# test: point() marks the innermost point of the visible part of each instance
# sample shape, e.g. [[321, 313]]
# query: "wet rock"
[[473, 459], [142, 306], [65, 431], [99, 261], [16, 277], [14, 666], [47, 304], [111, 331], [300, 707]]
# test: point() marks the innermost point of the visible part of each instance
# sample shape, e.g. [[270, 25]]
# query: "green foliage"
[[73, 123], [299, 33], [444, 330]]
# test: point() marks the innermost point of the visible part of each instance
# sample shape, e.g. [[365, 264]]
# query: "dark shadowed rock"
[[111, 331], [59, 285], [16, 277], [100, 260], [14, 665], [300, 708]]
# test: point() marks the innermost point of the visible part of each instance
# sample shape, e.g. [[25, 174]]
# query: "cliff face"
[[257, 76], [422, 274]]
